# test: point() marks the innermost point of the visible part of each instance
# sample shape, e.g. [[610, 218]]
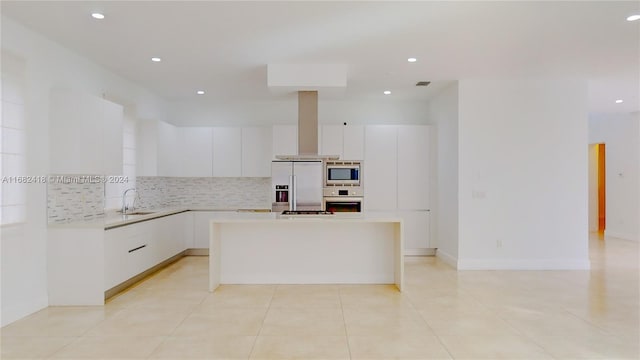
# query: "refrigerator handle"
[[292, 193]]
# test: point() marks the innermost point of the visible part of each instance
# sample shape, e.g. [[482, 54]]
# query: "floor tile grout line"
[[255, 340], [413, 306], [344, 320]]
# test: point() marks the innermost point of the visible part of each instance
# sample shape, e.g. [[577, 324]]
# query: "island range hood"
[[307, 130]]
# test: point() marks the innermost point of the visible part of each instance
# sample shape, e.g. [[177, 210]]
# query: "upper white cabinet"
[[344, 141], [227, 151], [353, 148], [113, 128], [85, 134], [380, 179], [197, 151], [256, 151], [158, 148], [169, 150], [331, 140], [147, 148], [413, 167], [285, 140]]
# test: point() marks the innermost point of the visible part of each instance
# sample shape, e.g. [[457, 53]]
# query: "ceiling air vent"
[[423, 83]]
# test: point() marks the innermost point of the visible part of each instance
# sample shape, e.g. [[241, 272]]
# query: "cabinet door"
[[285, 140], [353, 138], [227, 151], [75, 134], [197, 151], [115, 244], [331, 140], [380, 180], [256, 151], [169, 150], [413, 167], [201, 228], [416, 231], [112, 128], [147, 148]]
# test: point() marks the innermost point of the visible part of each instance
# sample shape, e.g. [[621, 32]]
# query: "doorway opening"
[[597, 189], [602, 219]]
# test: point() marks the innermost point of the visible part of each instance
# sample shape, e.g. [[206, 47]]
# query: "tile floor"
[[443, 314]]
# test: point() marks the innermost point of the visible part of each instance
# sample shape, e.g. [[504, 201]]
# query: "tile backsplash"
[[74, 197], [203, 192], [86, 201]]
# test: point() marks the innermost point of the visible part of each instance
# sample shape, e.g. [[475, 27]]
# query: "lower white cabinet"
[[201, 221], [417, 230]]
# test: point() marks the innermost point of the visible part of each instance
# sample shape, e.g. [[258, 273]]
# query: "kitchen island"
[[275, 249]]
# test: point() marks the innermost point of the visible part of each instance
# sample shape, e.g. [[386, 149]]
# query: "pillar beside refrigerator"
[[297, 185]]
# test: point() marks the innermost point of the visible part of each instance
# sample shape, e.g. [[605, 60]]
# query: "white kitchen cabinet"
[[413, 167], [346, 141], [84, 262], [169, 237], [256, 151], [285, 140], [147, 148], [353, 148], [158, 149], [128, 252], [331, 140], [417, 231], [227, 151], [201, 220], [113, 128], [380, 170], [85, 134], [197, 151], [169, 150]]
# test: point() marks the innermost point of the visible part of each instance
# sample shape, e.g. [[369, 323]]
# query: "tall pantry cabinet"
[[397, 179]]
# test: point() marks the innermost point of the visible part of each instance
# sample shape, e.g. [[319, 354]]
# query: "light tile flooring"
[[442, 314]]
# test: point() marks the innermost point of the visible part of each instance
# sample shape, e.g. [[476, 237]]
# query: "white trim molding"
[[447, 258], [523, 264]]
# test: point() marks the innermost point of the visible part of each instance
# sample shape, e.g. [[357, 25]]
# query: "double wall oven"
[[343, 190]]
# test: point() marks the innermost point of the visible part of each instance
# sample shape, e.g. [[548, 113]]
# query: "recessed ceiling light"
[[412, 59], [200, 92], [619, 101], [156, 59], [387, 92], [633, 18], [97, 15]]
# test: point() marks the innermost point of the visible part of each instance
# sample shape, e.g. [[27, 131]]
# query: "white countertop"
[[279, 218], [115, 219]]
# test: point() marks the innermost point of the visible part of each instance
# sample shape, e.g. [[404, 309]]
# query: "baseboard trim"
[[197, 252], [619, 235], [128, 283], [14, 313], [447, 258], [419, 252], [528, 264]]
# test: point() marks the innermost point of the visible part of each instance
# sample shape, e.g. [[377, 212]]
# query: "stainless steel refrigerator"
[[296, 185]]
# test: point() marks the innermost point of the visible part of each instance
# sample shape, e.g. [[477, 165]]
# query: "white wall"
[[47, 65], [619, 133], [443, 110], [523, 174]]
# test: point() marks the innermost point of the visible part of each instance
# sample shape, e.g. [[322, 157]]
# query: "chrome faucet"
[[124, 201]]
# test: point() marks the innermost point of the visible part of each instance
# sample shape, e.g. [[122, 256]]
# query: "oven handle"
[[344, 199]]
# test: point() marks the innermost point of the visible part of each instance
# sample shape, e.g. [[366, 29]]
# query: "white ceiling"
[[224, 47]]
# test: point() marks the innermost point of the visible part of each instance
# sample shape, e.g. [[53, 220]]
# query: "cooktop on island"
[[307, 212]]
